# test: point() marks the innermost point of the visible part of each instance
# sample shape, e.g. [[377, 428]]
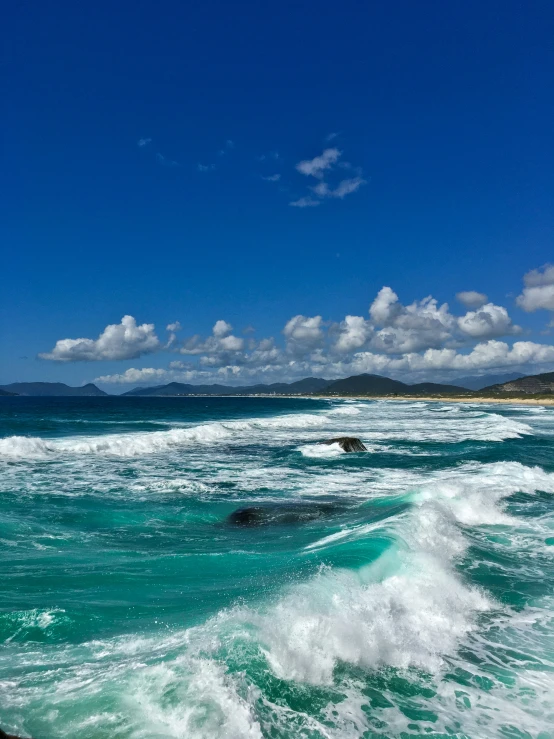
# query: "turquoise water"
[[403, 591]]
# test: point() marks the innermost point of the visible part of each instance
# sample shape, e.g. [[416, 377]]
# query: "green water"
[[403, 591]]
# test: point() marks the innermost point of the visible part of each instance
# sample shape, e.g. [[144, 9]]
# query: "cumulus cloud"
[[487, 355], [471, 298], [221, 329], [354, 332], [420, 325], [123, 340], [303, 334], [144, 142], [538, 292], [220, 342], [315, 167], [176, 326], [487, 322], [135, 376]]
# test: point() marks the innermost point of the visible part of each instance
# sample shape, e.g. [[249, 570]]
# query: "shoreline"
[[396, 398], [442, 399]]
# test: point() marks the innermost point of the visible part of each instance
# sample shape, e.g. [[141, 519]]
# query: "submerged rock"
[[280, 514], [3, 735], [348, 443]]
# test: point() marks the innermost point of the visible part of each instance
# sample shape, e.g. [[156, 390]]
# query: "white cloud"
[[486, 356], [331, 136], [205, 167], [316, 166], [538, 277], [471, 298], [272, 178], [344, 188], [305, 202], [144, 142], [123, 340], [354, 332], [487, 322], [172, 328], [303, 334], [221, 328], [539, 290], [385, 307], [135, 376], [489, 355], [220, 343], [411, 328]]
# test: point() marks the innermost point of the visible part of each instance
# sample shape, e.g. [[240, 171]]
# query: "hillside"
[[377, 385], [536, 384], [52, 389], [300, 387], [5, 393], [475, 382]]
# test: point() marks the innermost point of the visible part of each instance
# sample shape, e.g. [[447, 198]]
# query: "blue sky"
[[142, 147]]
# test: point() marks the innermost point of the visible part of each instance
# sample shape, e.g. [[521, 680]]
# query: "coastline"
[[396, 398], [442, 399]]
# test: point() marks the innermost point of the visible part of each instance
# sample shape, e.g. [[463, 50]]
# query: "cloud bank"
[[423, 339]]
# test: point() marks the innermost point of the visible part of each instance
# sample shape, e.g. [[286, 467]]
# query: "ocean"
[[403, 591]]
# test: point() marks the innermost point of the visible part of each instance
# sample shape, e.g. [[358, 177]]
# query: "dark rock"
[[246, 517], [281, 514], [3, 735], [348, 443]]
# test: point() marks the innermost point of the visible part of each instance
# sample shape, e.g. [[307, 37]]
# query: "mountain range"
[[51, 389], [357, 385], [365, 384], [478, 382], [301, 387]]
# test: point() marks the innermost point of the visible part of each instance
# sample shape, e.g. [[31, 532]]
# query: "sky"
[[243, 192]]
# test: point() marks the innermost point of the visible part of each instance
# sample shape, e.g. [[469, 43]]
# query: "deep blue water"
[[403, 591]]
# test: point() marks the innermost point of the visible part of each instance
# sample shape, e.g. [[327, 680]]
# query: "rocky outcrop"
[[294, 513], [3, 735], [348, 443]]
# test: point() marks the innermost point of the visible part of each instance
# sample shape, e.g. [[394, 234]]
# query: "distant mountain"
[[543, 383], [366, 385], [300, 387], [5, 393], [378, 385], [478, 383], [52, 389]]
